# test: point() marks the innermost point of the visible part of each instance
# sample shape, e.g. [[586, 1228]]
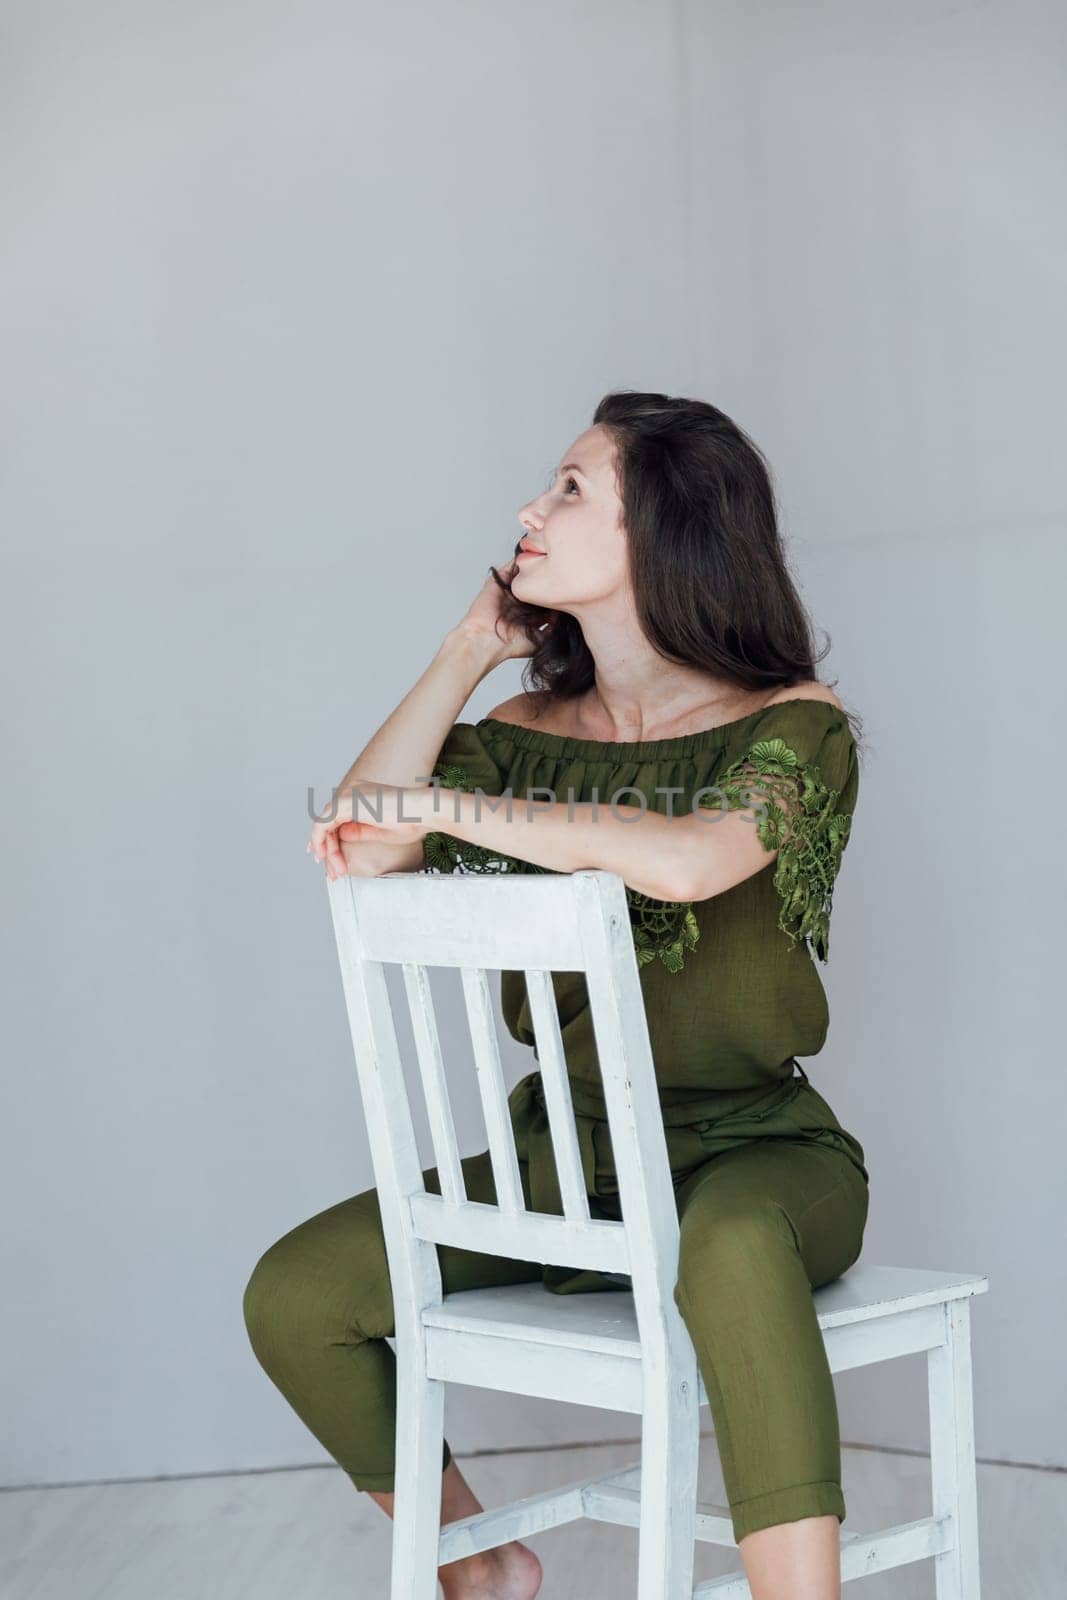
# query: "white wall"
[[299, 308]]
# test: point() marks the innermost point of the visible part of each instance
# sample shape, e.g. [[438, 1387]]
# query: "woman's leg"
[[318, 1307], [761, 1226]]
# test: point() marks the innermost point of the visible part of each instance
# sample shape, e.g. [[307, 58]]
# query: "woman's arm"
[[405, 747], [680, 857]]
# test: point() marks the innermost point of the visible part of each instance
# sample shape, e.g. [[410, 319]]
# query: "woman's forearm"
[[407, 744], [651, 852]]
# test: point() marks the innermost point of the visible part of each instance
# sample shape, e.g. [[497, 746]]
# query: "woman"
[[672, 670]]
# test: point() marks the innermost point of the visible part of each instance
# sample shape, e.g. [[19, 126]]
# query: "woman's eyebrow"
[[568, 466]]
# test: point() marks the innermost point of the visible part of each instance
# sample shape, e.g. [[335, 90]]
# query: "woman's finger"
[[323, 826], [335, 864]]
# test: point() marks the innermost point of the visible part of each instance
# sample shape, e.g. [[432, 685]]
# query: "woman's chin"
[[519, 587], [530, 597]]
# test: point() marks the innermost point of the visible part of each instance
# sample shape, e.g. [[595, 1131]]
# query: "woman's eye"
[[571, 480]]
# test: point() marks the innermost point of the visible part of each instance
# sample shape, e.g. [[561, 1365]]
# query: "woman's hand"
[[354, 820], [485, 618]]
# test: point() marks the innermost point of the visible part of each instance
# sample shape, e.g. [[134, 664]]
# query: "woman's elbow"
[[715, 866]]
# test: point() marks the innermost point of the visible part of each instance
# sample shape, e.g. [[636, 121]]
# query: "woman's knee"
[[326, 1280], [724, 1246]]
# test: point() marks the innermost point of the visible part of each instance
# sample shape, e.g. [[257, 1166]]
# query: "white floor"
[[306, 1534]]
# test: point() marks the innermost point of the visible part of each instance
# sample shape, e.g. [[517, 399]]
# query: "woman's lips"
[[522, 553]]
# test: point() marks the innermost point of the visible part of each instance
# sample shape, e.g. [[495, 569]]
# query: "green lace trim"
[[446, 854], [801, 821], [809, 837]]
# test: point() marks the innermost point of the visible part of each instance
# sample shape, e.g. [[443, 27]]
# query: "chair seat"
[[605, 1321]]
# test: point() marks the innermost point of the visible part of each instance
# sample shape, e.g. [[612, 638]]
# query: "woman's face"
[[577, 522]]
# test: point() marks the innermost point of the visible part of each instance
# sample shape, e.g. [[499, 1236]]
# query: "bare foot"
[[507, 1572], [510, 1572]]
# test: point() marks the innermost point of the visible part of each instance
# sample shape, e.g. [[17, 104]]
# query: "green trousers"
[[776, 1208]]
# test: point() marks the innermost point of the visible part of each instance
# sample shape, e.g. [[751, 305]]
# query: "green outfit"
[[772, 1192]]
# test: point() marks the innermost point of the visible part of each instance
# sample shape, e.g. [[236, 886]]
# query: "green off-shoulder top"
[[730, 984]]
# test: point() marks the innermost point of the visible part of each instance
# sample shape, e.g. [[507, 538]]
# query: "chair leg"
[[417, 1503], [952, 1454], [670, 1456]]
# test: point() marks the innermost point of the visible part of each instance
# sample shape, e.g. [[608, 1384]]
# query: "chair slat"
[[556, 1084], [534, 1236], [502, 1154], [434, 1082]]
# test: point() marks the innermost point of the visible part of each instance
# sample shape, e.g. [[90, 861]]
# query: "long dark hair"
[[710, 578]]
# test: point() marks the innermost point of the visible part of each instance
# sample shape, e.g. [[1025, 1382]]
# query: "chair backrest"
[[540, 924]]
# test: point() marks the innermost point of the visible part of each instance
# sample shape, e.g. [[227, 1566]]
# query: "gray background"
[[299, 307]]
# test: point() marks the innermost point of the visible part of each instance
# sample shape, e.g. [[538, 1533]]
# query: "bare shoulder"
[[807, 691], [522, 709]]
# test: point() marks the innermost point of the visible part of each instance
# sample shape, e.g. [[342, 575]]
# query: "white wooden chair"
[[623, 1351]]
